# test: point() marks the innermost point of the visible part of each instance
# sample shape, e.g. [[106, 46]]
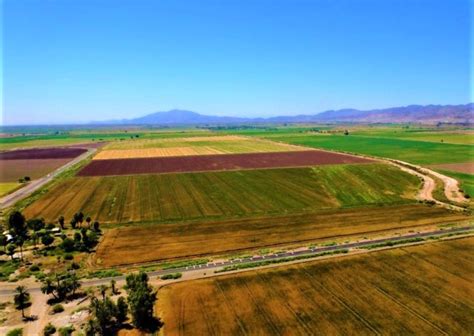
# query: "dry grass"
[[145, 243], [219, 144], [420, 290]]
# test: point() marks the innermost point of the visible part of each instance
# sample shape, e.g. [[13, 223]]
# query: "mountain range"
[[421, 114]]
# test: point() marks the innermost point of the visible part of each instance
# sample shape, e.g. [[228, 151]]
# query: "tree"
[[11, 250], [103, 291], [141, 299], [96, 226], [47, 240], [17, 227], [79, 218], [112, 286], [36, 224], [21, 299], [4, 241], [73, 223], [61, 222], [122, 310], [60, 286], [67, 245]]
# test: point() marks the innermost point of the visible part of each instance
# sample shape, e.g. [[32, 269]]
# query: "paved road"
[[11, 199], [308, 252]]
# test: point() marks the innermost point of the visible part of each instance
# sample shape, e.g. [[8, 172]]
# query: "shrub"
[[49, 330], [34, 268], [68, 256], [15, 332], [75, 266], [58, 308], [67, 245], [171, 276], [66, 331]]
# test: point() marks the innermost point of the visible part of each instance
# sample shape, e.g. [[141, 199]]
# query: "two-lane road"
[[10, 199]]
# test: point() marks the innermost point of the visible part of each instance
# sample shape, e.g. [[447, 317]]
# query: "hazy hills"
[[423, 114]]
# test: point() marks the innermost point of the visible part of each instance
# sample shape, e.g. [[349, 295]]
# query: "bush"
[[49, 330], [68, 256], [34, 268], [66, 331], [67, 245], [171, 276], [58, 308], [75, 266], [15, 332]]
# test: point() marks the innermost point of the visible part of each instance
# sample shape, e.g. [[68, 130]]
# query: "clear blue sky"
[[82, 60]]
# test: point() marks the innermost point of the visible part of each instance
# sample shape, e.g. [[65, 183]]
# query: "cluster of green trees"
[[108, 316], [37, 231], [61, 285]]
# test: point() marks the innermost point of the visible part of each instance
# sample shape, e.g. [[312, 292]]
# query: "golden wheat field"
[[133, 244], [155, 152], [418, 290]]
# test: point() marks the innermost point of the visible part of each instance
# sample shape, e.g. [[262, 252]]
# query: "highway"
[[292, 254]]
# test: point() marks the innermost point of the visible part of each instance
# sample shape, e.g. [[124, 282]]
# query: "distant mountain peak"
[[424, 114]]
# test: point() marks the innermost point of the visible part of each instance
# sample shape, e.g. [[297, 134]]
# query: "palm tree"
[[22, 298]]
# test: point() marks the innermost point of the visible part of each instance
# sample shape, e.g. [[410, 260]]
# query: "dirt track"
[[451, 186]]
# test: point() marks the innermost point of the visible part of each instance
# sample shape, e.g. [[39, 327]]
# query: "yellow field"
[[8, 187], [138, 148], [155, 152], [419, 290]]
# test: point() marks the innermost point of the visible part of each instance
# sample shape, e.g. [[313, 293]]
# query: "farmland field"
[[81, 137], [167, 197], [132, 244], [418, 152], [418, 290], [464, 168], [12, 170], [202, 163], [191, 146], [42, 153], [7, 187]]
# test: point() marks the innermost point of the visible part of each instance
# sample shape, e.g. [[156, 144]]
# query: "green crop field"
[[169, 197], [83, 136], [418, 290], [419, 152]]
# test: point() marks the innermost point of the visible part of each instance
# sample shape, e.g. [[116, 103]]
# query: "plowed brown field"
[[216, 162], [12, 170], [42, 153], [418, 290]]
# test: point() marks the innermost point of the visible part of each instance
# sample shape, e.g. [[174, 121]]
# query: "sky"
[[71, 61]]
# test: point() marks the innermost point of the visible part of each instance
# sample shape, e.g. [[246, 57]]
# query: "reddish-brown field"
[[42, 153], [466, 168], [216, 162], [12, 170]]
